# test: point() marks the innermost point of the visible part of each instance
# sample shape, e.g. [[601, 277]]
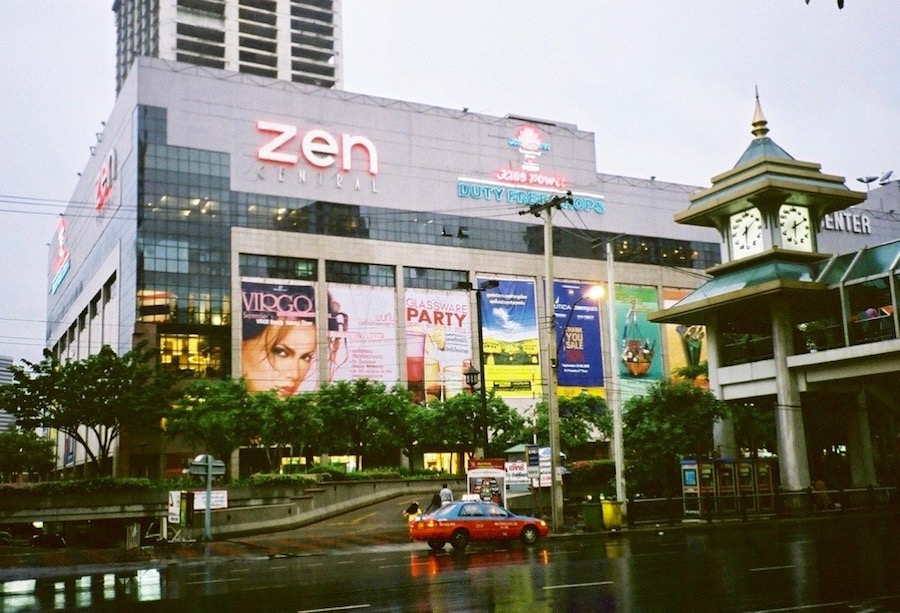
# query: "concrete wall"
[[251, 510]]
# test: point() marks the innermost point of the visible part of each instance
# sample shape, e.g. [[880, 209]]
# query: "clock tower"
[[769, 205], [767, 210]]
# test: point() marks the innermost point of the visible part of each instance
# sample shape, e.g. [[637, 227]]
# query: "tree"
[[292, 422], [393, 430], [359, 413], [216, 415], [506, 427], [454, 425], [24, 452], [580, 419], [90, 400], [671, 420]]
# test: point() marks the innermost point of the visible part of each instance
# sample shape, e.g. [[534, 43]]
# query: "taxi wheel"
[[529, 535], [459, 539], [436, 545]]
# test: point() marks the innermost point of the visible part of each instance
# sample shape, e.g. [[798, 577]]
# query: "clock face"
[[746, 233], [793, 221]]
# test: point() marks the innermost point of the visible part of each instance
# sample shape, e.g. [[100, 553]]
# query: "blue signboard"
[[578, 338]]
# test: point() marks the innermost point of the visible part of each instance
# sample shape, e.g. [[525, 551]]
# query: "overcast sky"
[[666, 85]]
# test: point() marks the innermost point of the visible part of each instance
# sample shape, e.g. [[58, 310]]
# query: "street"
[[362, 561]]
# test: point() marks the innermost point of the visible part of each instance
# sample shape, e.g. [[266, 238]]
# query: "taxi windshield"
[[447, 509]]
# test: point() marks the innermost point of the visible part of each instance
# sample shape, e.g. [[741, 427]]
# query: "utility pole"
[[613, 393], [545, 210]]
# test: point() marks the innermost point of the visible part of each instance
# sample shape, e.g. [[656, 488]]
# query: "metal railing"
[[744, 506]]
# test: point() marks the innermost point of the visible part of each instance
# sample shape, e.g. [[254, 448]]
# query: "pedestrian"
[[412, 511], [446, 495], [435, 503]]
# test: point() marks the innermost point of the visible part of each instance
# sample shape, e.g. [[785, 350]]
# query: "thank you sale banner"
[[578, 337]]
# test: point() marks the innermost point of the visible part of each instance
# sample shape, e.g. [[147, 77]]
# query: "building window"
[[360, 274], [192, 355], [433, 278], [277, 267]]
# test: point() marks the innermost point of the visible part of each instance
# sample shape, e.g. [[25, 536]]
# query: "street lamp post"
[[470, 375]]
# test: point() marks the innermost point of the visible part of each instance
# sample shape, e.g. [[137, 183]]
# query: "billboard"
[[438, 342], [278, 336], [640, 350], [510, 330], [578, 338], [362, 334], [684, 345]]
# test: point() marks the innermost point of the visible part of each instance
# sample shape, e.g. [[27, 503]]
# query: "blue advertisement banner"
[[511, 347], [578, 337]]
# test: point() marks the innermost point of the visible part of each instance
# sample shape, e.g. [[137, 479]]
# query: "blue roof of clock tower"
[[762, 145]]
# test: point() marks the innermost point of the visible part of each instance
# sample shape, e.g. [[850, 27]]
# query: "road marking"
[[209, 581], [359, 520], [804, 607], [279, 568], [568, 585], [347, 608], [765, 568], [239, 570]]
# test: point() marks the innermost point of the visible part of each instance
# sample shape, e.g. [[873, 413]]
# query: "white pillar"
[[793, 463]]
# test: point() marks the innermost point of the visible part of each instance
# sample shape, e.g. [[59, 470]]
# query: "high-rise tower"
[[293, 40]]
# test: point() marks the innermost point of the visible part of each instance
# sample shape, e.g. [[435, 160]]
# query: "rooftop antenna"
[[867, 180], [885, 178]]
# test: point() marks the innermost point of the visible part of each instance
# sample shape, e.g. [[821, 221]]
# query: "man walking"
[[446, 495]]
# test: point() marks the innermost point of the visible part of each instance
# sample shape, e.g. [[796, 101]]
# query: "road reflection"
[[430, 563], [84, 592]]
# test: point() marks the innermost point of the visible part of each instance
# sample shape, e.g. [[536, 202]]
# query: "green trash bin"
[[612, 514], [593, 521]]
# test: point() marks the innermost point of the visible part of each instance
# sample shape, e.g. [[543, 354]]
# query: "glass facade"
[[186, 211]]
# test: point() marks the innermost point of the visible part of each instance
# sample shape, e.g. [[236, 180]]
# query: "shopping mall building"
[[232, 219]]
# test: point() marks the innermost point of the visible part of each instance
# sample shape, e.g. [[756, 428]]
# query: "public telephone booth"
[[690, 488], [707, 474], [726, 486], [765, 484], [746, 483], [698, 487]]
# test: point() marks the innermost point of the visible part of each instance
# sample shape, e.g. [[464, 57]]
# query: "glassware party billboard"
[[438, 342]]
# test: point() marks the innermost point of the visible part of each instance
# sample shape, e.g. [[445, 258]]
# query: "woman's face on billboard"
[[279, 358]]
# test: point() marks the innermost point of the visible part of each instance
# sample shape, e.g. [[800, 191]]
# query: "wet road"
[[840, 564]]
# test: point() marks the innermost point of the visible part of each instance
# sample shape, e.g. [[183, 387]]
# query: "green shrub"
[[330, 472], [264, 479], [378, 474]]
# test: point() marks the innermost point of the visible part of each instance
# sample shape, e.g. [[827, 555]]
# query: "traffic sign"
[[203, 464]]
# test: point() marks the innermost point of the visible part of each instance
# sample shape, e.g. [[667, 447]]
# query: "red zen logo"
[[103, 182], [318, 147]]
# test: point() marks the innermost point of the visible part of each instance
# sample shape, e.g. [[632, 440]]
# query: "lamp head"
[[596, 293], [472, 376]]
